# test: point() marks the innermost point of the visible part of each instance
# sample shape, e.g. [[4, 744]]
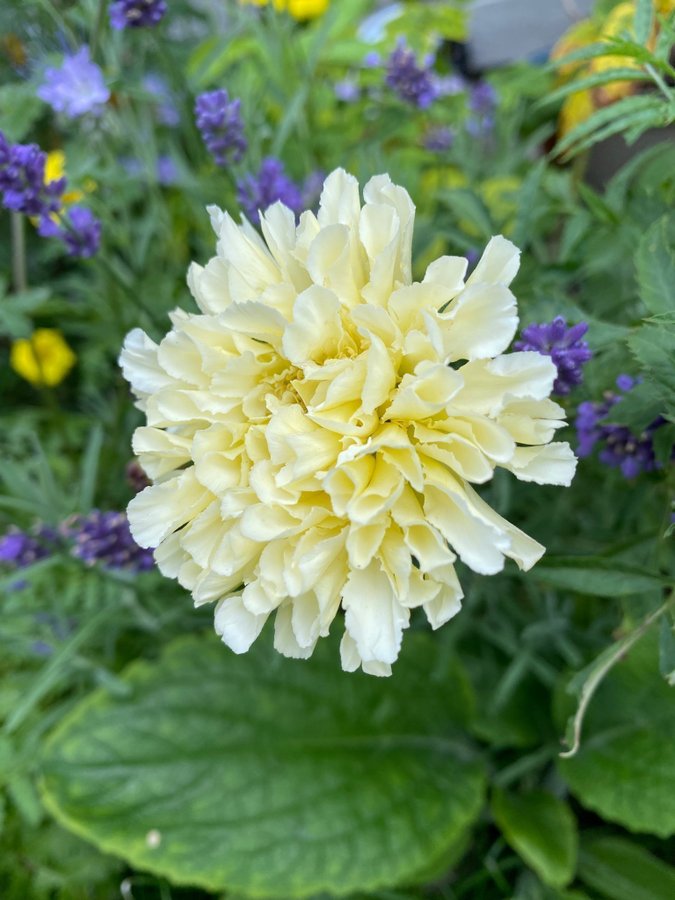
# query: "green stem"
[[98, 27], [660, 83], [596, 678], [19, 277]]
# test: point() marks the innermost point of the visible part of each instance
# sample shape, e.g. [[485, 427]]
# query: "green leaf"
[[542, 830], [636, 409], [643, 21], [595, 576], [622, 870], [625, 768], [655, 264], [273, 777], [653, 345], [613, 117], [19, 109], [469, 209], [607, 76]]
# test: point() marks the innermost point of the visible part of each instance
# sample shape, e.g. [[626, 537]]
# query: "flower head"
[[103, 538], [256, 192], [136, 13], [219, 121], [44, 359], [23, 180], [413, 83], [564, 345], [619, 446], [315, 434], [76, 88]]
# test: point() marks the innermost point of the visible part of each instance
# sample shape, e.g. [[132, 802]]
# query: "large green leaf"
[[655, 263], [542, 830], [595, 576], [621, 870], [271, 777], [625, 769]]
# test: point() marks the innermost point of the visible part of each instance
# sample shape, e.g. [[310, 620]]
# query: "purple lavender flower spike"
[[439, 140], [482, 97], [413, 83], [136, 13], [82, 236], [22, 180], [76, 88], [619, 447], [258, 192], [219, 121], [79, 230], [565, 347], [482, 104], [104, 538], [20, 549]]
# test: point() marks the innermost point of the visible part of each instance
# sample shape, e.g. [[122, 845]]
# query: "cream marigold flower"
[[315, 434]]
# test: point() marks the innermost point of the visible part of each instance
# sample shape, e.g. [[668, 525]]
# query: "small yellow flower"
[[301, 10], [44, 359], [55, 168]]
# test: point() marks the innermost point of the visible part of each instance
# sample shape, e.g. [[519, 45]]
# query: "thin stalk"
[[660, 83], [597, 677], [19, 277]]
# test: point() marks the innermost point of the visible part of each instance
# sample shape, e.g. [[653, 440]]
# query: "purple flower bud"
[[565, 347], [219, 121], [619, 446], [257, 192], [412, 83], [136, 13], [104, 538], [347, 90], [76, 88]]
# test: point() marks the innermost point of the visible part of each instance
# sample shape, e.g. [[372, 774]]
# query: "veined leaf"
[[595, 576], [273, 777], [655, 264]]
